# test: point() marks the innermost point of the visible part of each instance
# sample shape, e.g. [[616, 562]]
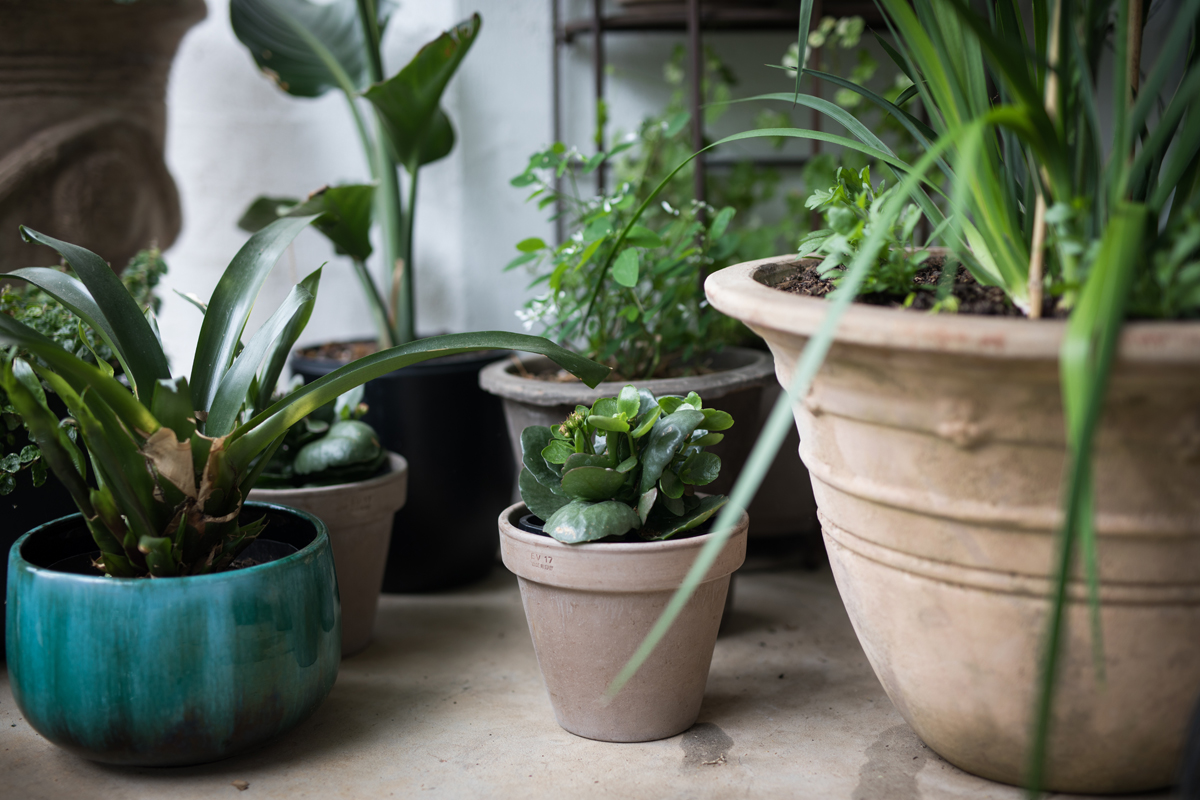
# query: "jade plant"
[[628, 463], [169, 460], [332, 445]]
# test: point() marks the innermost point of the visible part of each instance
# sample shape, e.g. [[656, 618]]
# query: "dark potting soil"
[[674, 368], [260, 551], [973, 297]]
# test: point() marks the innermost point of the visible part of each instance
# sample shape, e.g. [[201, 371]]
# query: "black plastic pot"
[[460, 468], [22, 510]]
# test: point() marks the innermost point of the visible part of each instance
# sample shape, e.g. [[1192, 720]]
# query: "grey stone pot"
[[743, 386]]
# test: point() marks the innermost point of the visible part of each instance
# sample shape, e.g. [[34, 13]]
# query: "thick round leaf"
[[700, 469], [577, 460], [664, 441], [670, 484], [592, 483], [533, 441], [715, 420], [348, 442], [616, 423], [580, 521], [557, 451], [538, 498], [629, 402]]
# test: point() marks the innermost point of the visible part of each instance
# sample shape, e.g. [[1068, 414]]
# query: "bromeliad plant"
[[170, 460], [629, 463], [309, 48]]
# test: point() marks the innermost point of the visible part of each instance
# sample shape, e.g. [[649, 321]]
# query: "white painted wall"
[[232, 136]]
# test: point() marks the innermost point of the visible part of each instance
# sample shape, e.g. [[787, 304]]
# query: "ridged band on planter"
[[359, 519], [590, 605], [735, 387], [172, 671], [936, 449]]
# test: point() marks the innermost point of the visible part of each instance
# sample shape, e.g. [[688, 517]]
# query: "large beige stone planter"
[[936, 450], [359, 518], [590, 605]]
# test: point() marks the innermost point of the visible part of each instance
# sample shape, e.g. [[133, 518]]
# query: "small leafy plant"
[[332, 445], [849, 207], [629, 463]]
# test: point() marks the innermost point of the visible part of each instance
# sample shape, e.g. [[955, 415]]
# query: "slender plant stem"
[[378, 306], [403, 309], [364, 136], [387, 197], [1037, 250]]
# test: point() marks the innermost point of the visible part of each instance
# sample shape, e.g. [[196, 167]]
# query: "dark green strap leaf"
[[132, 337], [231, 302]]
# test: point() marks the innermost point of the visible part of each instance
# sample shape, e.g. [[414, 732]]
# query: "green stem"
[[364, 136], [387, 198], [374, 299], [402, 285]]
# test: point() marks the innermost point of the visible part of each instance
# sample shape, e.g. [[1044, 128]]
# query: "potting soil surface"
[[448, 702]]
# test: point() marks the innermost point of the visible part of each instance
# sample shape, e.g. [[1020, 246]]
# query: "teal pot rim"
[[172, 671], [322, 532]]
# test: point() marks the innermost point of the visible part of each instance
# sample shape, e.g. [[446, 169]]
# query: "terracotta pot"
[[82, 120], [359, 519], [737, 387], [936, 450], [590, 605]]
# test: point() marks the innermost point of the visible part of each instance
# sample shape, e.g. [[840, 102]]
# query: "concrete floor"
[[448, 702]]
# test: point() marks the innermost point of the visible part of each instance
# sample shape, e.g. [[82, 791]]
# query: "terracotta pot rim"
[[398, 471], [757, 369], [742, 291], [320, 540]]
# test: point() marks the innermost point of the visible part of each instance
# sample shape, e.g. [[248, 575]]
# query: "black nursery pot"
[[24, 509], [461, 471]]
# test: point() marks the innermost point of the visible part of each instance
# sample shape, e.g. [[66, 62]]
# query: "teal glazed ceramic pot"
[[172, 671]]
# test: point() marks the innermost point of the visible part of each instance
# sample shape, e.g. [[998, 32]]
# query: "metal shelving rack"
[[694, 18]]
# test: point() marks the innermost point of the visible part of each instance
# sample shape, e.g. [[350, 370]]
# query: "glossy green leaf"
[[577, 460], [557, 451], [700, 469], [231, 302], [608, 423], [629, 402], [646, 503], [535, 439], [648, 418], [408, 102], [173, 408], [139, 350], [592, 483], [347, 443], [708, 440], [580, 521], [264, 210], [306, 48], [691, 518], [282, 351], [715, 420], [234, 387], [346, 214], [664, 441], [640, 236], [670, 485], [538, 498], [625, 269]]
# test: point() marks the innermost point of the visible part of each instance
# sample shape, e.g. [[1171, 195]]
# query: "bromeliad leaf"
[[580, 521]]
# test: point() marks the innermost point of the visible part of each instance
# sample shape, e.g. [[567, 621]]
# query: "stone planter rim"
[[397, 467], [618, 567], [743, 291], [756, 368]]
